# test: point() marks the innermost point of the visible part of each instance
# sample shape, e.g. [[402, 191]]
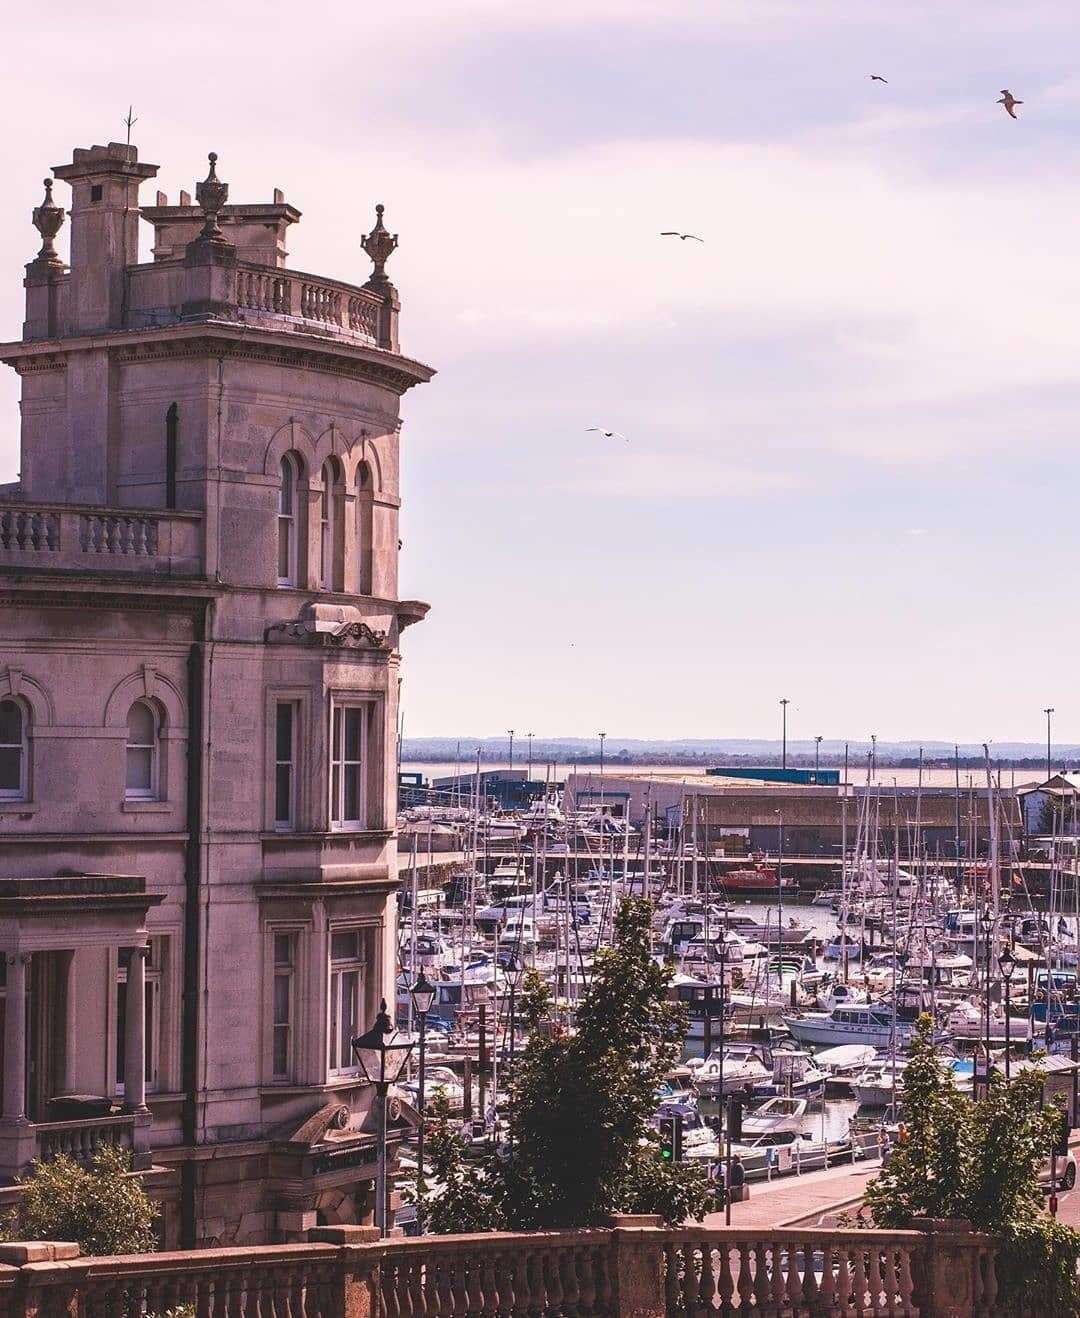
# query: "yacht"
[[744, 1066], [774, 1116], [872, 1023]]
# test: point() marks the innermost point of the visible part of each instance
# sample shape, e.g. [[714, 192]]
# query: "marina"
[[801, 999]]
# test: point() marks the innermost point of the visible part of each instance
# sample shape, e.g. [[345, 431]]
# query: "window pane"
[[335, 989], [285, 495], [281, 1050], [284, 731], [150, 1002], [284, 550], [140, 725], [140, 762], [121, 1030], [350, 990], [10, 723], [283, 949], [282, 988], [10, 769], [345, 945], [335, 803], [352, 793], [283, 794], [353, 724]]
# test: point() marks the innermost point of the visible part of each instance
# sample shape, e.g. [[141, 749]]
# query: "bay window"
[[347, 730], [346, 996]]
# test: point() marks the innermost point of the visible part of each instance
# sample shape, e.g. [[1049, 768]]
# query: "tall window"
[[346, 989], [285, 764], [284, 1006], [152, 1014], [365, 525], [331, 503], [288, 522], [142, 753], [172, 420], [14, 752], [346, 766]]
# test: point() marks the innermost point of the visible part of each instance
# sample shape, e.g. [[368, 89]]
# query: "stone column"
[[65, 967], [135, 1036], [15, 1038], [637, 1243]]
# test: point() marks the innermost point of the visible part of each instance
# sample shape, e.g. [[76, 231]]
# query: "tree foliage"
[[581, 1145], [101, 1207], [980, 1160]]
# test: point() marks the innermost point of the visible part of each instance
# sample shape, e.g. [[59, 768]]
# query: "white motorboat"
[[872, 1023], [967, 1020], [744, 1065], [880, 1084], [775, 1115], [795, 1075], [846, 1061]]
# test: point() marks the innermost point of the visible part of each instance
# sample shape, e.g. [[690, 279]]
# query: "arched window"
[[365, 526], [288, 522], [14, 751], [143, 753], [331, 500], [172, 421]]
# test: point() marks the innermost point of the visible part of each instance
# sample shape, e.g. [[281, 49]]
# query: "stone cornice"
[[225, 339]]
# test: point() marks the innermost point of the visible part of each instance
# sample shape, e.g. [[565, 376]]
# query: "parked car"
[[1065, 1171]]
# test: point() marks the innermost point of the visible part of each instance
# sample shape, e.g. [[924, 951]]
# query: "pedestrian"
[[853, 1136], [884, 1145], [738, 1177]]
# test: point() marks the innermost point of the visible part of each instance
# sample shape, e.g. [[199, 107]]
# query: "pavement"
[[816, 1199]]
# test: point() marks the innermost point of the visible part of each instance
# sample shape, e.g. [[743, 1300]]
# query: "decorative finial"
[[378, 244], [48, 219], [212, 194]]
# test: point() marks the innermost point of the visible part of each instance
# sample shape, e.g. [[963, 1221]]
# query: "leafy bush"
[[980, 1160], [102, 1207]]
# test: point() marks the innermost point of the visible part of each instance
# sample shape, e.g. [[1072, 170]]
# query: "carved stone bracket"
[[332, 627]]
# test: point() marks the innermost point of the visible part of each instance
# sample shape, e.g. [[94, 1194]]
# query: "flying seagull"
[[674, 233], [876, 77], [607, 434], [1008, 100]]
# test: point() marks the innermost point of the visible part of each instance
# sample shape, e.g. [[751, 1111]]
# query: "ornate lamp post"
[[515, 971], [986, 920], [1007, 962], [423, 995], [381, 1054]]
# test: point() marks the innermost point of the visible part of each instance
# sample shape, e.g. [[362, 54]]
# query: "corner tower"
[[198, 687]]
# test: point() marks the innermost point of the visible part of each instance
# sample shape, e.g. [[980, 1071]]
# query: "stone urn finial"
[[378, 244], [211, 195], [48, 219]]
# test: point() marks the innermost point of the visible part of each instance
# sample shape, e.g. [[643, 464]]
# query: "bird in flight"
[[674, 233], [607, 434], [1008, 100], [876, 77]]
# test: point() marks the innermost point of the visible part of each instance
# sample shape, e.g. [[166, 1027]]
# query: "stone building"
[[198, 702]]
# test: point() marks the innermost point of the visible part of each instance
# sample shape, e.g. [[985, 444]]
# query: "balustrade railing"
[[791, 1273], [29, 529], [111, 540], [632, 1271], [82, 1139]]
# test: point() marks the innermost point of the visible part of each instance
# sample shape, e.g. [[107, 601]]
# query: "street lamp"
[[530, 736], [514, 972], [986, 920], [381, 1054], [817, 755], [1007, 962], [873, 756], [423, 996], [510, 733], [1048, 713], [783, 732]]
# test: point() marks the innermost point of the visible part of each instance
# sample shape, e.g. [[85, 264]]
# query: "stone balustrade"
[[82, 1139], [269, 296], [60, 536], [633, 1270]]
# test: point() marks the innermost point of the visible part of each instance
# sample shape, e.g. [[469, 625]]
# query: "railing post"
[[637, 1271], [357, 1269], [947, 1269]]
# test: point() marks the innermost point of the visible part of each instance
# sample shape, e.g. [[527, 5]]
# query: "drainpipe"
[[192, 887]]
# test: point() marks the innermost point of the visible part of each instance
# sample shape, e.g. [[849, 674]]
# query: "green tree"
[[580, 1108], [102, 1207], [980, 1160]]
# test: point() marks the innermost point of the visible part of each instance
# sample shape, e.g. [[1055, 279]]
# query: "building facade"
[[198, 702]]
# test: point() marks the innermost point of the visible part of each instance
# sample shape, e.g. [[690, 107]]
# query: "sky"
[[849, 476]]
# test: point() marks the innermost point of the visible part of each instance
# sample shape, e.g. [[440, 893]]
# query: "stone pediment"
[[331, 626]]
